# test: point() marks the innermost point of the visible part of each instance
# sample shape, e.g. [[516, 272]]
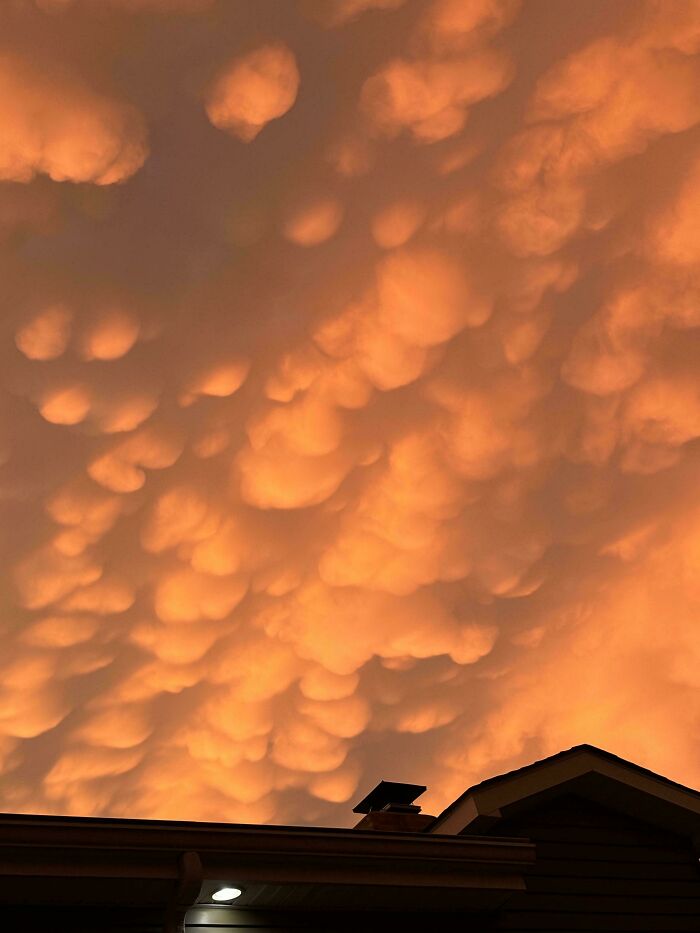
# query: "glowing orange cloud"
[[59, 126], [254, 89], [350, 398]]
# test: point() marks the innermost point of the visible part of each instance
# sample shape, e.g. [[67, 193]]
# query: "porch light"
[[223, 895]]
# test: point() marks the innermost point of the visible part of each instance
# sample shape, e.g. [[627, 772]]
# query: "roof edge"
[[480, 800]]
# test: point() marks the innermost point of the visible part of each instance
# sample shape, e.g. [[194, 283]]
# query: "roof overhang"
[[623, 787], [134, 865]]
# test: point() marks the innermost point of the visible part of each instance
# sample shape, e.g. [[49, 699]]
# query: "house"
[[582, 840]]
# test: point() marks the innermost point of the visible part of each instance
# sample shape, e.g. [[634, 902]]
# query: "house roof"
[[120, 870], [585, 770], [137, 871]]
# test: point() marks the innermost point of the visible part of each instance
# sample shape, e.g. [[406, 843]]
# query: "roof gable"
[[585, 770]]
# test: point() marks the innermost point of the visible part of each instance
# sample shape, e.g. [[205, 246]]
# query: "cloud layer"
[[350, 398]]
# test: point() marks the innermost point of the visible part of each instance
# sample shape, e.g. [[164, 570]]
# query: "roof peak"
[[495, 788]]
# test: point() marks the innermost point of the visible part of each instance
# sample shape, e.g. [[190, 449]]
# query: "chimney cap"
[[387, 793]]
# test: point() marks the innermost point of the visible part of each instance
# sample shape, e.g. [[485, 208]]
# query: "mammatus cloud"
[[350, 398], [57, 125], [254, 89]]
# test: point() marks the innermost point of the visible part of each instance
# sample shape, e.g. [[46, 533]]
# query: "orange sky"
[[350, 398]]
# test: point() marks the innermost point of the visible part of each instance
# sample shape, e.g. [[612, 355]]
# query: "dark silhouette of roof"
[[599, 837], [545, 763], [565, 754]]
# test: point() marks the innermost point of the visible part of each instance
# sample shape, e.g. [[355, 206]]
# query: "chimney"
[[390, 808]]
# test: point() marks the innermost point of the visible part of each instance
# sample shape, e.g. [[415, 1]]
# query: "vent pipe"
[[390, 808]]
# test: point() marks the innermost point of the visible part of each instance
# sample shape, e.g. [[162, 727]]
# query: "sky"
[[350, 379]]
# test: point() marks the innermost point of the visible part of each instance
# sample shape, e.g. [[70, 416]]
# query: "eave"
[[103, 863]]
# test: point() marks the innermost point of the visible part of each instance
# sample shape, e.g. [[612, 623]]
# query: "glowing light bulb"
[[226, 894]]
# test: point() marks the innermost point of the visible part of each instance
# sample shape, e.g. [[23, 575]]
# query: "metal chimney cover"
[[389, 792]]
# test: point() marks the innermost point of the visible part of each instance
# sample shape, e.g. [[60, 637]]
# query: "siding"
[[601, 870]]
